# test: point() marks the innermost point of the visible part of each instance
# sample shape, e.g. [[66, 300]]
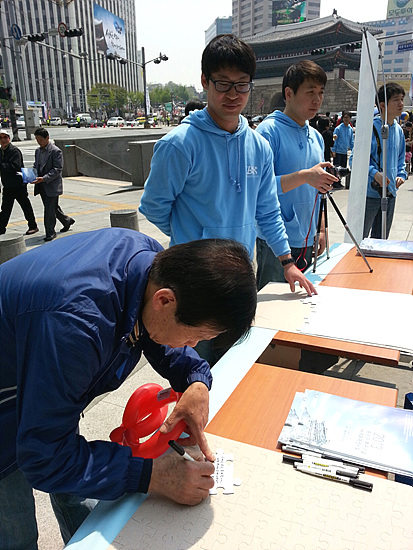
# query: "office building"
[[221, 25], [59, 71], [395, 61], [250, 17]]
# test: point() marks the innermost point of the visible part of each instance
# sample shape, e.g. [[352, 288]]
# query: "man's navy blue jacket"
[[66, 311]]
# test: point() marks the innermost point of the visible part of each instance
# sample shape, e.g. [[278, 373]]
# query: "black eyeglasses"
[[224, 86]]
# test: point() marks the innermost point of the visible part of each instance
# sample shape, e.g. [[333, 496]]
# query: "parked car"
[[257, 119], [94, 123], [74, 123], [55, 121], [20, 122], [133, 123], [116, 121]]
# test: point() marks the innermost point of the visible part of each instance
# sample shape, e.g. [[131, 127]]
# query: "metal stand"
[[323, 211], [384, 135]]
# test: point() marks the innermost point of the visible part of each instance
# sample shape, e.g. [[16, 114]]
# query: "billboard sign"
[[399, 8], [109, 32], [405, 46], [285, 12]]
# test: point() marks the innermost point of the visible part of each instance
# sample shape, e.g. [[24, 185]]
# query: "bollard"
[[11, 244], [124, 218]]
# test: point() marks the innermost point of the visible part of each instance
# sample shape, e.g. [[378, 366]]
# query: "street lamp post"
[[156, 60]]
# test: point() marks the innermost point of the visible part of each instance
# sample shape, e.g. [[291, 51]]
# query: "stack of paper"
[[364, 433], [402, 250]]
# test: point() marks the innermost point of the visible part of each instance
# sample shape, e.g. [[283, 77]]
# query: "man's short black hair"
[[323, 123], [392, 89], [214, 284], [42, 132], [228, 51], [193, 105], [304, 70]]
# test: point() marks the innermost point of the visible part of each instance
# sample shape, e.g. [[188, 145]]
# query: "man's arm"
[[271, 225], [54, 385], [12, 164], [316, 176], [57, 167], [169, 171], [401, 161], [351, 138]]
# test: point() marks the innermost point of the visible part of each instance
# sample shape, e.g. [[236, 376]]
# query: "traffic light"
[[319, 51], [39, 37], [5, 93], [352, 46], [69, 33]]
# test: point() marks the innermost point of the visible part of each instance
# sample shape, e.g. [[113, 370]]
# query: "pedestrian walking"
[[49, 184], [14, 189]]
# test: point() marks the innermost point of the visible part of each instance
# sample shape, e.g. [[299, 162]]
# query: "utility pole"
[[7, 79], [145, 103], [17, 54], [17, 59]]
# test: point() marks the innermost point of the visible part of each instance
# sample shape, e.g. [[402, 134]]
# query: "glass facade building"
[[50, 73]]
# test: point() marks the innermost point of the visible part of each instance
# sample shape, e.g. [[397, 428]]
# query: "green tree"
[[162, 94], [108, 96], [135, 100], [3, 102]]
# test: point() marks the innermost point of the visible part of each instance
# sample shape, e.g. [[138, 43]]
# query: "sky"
[[177, 28]]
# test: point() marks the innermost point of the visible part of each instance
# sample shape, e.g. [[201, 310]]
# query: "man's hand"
[[193, 407], [293, 274], [321, 243], [183, 481], [399, 182], [319, 178], [39, 179], [378, 178]]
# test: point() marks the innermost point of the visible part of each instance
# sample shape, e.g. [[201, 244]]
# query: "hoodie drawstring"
[[231, 179]]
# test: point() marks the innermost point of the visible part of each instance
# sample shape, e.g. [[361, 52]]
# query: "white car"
[[116, 121], [133, 123], [55, 121], [20, 122]]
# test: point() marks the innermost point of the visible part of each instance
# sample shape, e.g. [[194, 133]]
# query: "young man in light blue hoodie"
[[212, 176], [396, 172], [299, 168], [343, 142]]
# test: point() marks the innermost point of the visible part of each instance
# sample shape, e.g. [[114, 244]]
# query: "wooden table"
[[256, 410], [388, 275]]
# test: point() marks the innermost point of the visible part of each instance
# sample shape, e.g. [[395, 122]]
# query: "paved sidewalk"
[[89, 201]]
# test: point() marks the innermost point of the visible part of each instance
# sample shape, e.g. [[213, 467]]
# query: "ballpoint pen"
[[180, 450]]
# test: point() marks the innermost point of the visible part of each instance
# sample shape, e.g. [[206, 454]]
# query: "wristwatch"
[[287, 261]]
